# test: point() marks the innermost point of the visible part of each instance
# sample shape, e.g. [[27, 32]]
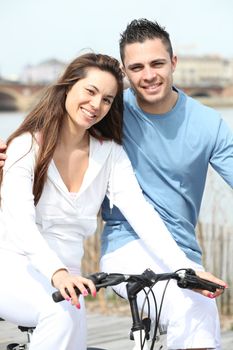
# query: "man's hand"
[[208, 276], [2, 153]]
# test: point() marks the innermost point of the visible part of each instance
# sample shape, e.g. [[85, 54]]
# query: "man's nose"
[[149, 73]]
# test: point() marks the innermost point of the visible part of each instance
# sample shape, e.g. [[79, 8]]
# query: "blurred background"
[[38, 38]]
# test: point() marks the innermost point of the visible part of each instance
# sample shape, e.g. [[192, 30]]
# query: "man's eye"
[[136, 69], [157, 64]]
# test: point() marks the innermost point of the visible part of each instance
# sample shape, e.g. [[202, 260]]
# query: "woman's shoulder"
[[104, 143], [118, 153], [113, 145], [108, 147], [22, 140], [20, 146]]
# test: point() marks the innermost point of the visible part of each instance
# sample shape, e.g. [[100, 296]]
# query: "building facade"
[[203, 71], [42, 73]]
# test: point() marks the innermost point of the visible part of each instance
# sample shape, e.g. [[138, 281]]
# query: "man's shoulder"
[[199, 110], [129, 95], [197, 104]]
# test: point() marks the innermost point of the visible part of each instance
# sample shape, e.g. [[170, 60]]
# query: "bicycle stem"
[[139, 332], [132, 290]]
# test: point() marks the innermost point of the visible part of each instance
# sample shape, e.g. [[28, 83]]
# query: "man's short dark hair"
[[139, 30]]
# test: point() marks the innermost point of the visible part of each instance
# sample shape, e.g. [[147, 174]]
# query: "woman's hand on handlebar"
[[66, 282], [209, 277]]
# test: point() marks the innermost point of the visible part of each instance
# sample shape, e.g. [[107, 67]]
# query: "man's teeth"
[[152, 87]]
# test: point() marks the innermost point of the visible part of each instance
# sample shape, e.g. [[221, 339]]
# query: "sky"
[[32, 31]]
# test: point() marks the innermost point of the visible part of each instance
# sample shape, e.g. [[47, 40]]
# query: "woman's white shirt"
[[51, 235]]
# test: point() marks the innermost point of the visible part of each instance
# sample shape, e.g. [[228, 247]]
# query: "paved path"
[[109, 332]]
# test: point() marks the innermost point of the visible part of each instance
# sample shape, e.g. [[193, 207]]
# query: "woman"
[[61, 162]]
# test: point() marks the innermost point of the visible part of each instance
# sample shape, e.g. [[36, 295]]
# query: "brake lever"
[[98, 277]]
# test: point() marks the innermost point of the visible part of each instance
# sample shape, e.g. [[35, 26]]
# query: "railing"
[[217, 245]]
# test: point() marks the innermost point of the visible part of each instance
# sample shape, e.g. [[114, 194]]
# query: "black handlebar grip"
[[208, 285], [192, 281], [57, 297]]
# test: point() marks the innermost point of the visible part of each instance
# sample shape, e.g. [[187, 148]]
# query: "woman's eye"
[[107, 101], [91, 92]]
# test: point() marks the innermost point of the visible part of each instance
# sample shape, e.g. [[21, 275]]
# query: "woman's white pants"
[[191, 319], [25, 299]]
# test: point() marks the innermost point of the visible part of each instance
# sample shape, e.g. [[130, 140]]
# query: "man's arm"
[[222, 154], [2, 153]]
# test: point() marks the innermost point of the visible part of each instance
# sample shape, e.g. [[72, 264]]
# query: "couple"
[[67, 155]]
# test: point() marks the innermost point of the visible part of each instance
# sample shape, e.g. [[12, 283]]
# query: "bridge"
[[17, 96], [208, 90], [204, 90]]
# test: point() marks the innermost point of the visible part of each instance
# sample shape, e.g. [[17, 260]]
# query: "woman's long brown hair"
[[48, 115]]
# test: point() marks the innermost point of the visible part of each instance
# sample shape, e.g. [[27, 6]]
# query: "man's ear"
[[126, 82], [123, 69], [125, 79], [174, 63]]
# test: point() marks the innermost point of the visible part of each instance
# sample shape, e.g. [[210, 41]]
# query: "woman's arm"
[[18, 209]]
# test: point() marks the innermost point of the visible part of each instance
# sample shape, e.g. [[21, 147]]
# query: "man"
[[170, 139]]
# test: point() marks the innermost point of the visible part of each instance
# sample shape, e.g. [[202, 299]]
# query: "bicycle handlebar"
[[186, 278]]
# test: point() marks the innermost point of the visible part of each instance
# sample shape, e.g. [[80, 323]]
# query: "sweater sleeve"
[[125, 192], [18, 210], [222, 153]]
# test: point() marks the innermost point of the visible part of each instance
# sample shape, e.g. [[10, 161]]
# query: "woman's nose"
[[95, 102]]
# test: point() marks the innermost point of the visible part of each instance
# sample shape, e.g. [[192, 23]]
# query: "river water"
[[217, 202]]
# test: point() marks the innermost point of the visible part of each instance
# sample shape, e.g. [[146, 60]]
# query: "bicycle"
[[24, 346], [141, 327]]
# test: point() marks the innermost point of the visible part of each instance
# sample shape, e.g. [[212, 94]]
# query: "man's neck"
[[161, 107]]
